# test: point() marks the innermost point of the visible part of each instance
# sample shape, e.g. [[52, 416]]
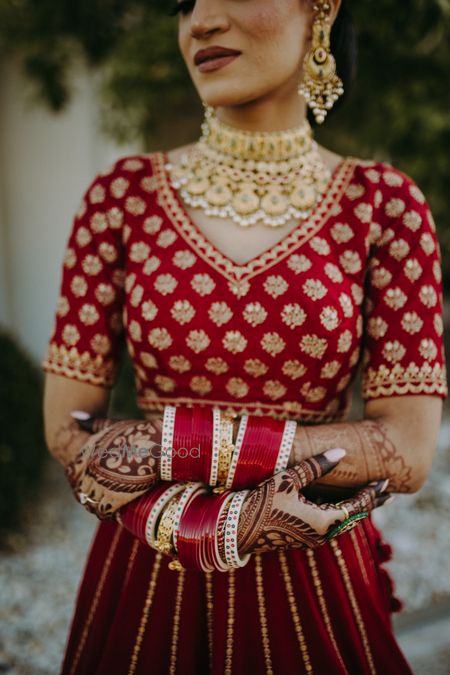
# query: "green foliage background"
[[398, 111]]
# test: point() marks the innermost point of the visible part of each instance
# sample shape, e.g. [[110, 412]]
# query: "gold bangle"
[[164, 536], [226, 449]]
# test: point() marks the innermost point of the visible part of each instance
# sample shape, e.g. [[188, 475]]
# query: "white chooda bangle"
[[287, 441], [167, 442], [215, 447], [231, 530]]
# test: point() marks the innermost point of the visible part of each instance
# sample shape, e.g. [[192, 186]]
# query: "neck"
[[265, 114]]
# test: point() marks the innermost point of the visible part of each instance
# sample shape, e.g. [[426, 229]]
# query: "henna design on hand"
[[277, 515], [115, 466]]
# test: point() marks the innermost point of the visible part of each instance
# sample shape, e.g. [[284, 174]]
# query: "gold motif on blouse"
[[411, 322], [217, 365], [149, 310], [274, 389], [201, 385], [345, 341], [314, 289], [293, 315], [180, 363], [184, 259], [234, 341], [153, 224], [428, 349], [275, 285], [330, 370], [299, 263], [350, 261], [394, 208], [166, 384], [220, 313], [255, 368], [314, 346], [62, 306], [334, 273], [135, 330], [160, 338], [197, 340], [151, 265], [166, 238], [237, 387], [329, 318], [135, 206], [182, 311], [88, 314], [203, 284], [70, 335], [428, 296], [364, 212], [395, 298], [293, 369], [139, 252], [118, 187], [165, 284], [254, 313], [399, 249], [97, 195], [393, 351], [149, 360], [272, 343], [342, 233]]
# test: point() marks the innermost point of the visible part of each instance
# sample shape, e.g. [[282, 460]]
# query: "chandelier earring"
[[321, 86]]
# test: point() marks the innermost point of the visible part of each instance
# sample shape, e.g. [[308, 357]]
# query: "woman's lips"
[[216, 64], [214, 58]]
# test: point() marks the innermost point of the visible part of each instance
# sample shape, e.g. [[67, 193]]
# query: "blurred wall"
[[46, 163]]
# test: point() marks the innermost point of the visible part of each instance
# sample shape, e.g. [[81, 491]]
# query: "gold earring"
[[321, 86]]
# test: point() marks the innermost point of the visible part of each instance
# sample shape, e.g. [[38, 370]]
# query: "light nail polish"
[[335, 454]]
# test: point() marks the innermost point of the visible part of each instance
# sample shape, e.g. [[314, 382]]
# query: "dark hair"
[[344, 45]]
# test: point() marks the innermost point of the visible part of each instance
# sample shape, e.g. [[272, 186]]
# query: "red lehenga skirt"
[[323, 611]]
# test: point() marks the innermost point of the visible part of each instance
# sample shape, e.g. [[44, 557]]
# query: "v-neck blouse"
[[357, 284]]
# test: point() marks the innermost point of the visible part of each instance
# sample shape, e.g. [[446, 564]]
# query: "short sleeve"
[[87, 337], [403, 318]]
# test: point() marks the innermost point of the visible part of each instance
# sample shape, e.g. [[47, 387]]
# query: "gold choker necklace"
[[251, 177]]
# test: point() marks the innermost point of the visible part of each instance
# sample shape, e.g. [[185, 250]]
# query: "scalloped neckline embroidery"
[[173, 207]]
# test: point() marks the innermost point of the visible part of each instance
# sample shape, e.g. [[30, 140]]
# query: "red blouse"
[[282, 334]]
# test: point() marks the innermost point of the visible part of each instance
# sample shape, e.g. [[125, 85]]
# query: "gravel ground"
[[39, 577]]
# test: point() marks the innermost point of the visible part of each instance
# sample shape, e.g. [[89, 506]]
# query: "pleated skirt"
[[324, 611]]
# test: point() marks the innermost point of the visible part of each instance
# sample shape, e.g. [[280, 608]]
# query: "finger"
[[379, 485], [365, 499], [315, 467], [384, 499]]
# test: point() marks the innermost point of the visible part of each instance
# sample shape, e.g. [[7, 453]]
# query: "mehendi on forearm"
[[68, 440], [371, 453]]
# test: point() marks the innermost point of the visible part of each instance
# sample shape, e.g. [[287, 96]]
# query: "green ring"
[[336, 530]]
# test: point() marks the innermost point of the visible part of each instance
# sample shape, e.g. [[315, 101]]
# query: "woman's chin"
[[220, 95]]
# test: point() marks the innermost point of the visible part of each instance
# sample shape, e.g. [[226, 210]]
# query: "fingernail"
[[384, 486], [389, 500], [80, 414], [335, 454]]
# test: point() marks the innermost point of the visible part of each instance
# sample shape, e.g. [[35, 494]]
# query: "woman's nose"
[[207, 20]]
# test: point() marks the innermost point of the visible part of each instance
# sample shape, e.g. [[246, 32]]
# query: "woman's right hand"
[[277, 515]]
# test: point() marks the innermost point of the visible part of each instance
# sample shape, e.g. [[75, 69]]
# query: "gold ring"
[[343, 508]]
